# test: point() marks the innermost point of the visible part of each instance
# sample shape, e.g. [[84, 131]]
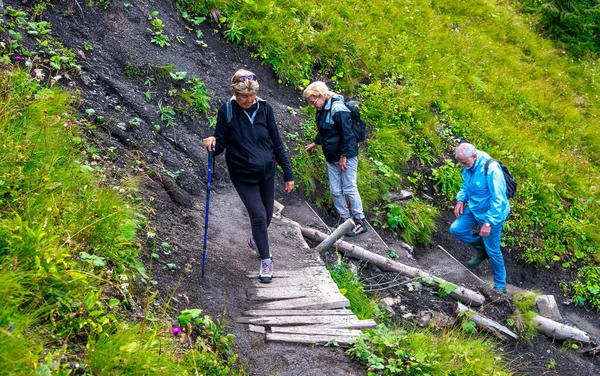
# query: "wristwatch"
[[487, 224]]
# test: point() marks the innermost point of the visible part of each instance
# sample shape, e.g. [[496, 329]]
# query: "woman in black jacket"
[[246, 129], [338, 141]]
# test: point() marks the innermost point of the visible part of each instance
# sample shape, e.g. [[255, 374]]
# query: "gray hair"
[[465, 150], [318, 89], [243, 88]]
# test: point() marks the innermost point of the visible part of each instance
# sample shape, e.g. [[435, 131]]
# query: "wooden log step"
[[331, 302], [308, 339], [299, 312], [329, 321], [316, 329]]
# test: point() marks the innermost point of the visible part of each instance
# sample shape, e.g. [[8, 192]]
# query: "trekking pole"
[[210, 167]]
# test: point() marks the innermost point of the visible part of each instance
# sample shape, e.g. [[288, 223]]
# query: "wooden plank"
[[257, 329], [330, 321], [308, 339], [294, 281], [331, 302], [316, 330], [300, 272], [291, 292], [299, 312]]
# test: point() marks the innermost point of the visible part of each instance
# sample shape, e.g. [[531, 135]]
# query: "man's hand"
[[458, 209], [311, 147], [485, 230], [342, 163], [289, 185], [209, 143]]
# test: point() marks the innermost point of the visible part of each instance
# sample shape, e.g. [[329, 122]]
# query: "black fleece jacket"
[[251, 148]]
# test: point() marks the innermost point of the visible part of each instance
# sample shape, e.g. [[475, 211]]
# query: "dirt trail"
[[119, 37]]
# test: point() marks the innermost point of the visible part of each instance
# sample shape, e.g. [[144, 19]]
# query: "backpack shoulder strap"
[[229, 110], [488, 162]]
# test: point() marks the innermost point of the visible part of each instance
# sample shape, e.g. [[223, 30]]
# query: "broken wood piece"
[[462, 294], [335, 235], [560, 331], [310, 339], [485, 323], [547, 307]]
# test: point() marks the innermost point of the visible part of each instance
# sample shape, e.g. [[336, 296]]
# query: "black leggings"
[[258, 199]]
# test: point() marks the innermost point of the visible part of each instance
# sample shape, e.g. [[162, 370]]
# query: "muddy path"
[[172, 166]]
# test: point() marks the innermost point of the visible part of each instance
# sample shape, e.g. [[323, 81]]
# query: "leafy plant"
[[167, 113], [415, 218], [448, 178]]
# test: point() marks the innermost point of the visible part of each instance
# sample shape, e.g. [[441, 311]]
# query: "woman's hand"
[[289, 185], [342, 163], [311, 147], [209, 142]]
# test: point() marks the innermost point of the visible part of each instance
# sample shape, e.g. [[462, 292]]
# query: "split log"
[[350, 250], [486, 324], [560, 331], [337, 234]]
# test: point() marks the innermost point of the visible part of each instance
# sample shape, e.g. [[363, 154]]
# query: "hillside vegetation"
[[431, 73]]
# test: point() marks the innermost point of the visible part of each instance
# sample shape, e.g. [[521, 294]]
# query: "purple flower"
[[176, 330], [151, 76], [564, 201], [178, 356], [446, 156], [18, 57], [11, 327], [32, 74], [584, 201], [347, 23]]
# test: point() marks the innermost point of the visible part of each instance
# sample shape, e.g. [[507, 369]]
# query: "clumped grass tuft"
[[397, 351], [363, 306]]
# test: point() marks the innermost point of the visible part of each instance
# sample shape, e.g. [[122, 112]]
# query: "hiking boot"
[[500, 290], [359, 228], [265, 274], [480, 256]]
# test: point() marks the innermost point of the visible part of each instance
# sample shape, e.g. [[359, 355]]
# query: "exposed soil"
[[120, 38]]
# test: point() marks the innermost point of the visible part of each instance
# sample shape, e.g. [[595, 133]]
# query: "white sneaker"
[[266, 271]]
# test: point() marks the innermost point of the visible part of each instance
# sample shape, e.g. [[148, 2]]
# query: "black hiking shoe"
[[359, 228], [265, 275]]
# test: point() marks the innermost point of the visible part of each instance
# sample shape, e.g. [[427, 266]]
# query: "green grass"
[[69, 255], [429, 73], [397, 351]]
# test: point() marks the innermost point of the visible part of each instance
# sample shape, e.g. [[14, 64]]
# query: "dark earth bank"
[[172, 166]]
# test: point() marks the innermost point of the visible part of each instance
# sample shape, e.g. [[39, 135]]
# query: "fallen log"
[[560, 331], [485, 323], [462, 294], [335, 235]]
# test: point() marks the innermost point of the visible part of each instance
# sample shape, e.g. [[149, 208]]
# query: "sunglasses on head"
[[249, 77]]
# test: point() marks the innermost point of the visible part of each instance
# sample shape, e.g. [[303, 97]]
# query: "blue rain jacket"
[[485, 195]]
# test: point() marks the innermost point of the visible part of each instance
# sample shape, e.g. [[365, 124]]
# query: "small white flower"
[[125, 286], [151, 234], [123, 277], [39, 74], [28, 63]]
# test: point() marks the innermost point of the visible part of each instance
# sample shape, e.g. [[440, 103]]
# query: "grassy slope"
[[429, 72]]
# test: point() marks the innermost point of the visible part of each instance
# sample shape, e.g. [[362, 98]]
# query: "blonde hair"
[[244, 88], [318, 89]]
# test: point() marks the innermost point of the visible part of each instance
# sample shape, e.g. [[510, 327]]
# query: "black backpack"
[[511, 183], [358, 126]]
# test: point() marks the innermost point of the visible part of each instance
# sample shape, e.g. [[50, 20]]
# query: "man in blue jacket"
[[487, 207]]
